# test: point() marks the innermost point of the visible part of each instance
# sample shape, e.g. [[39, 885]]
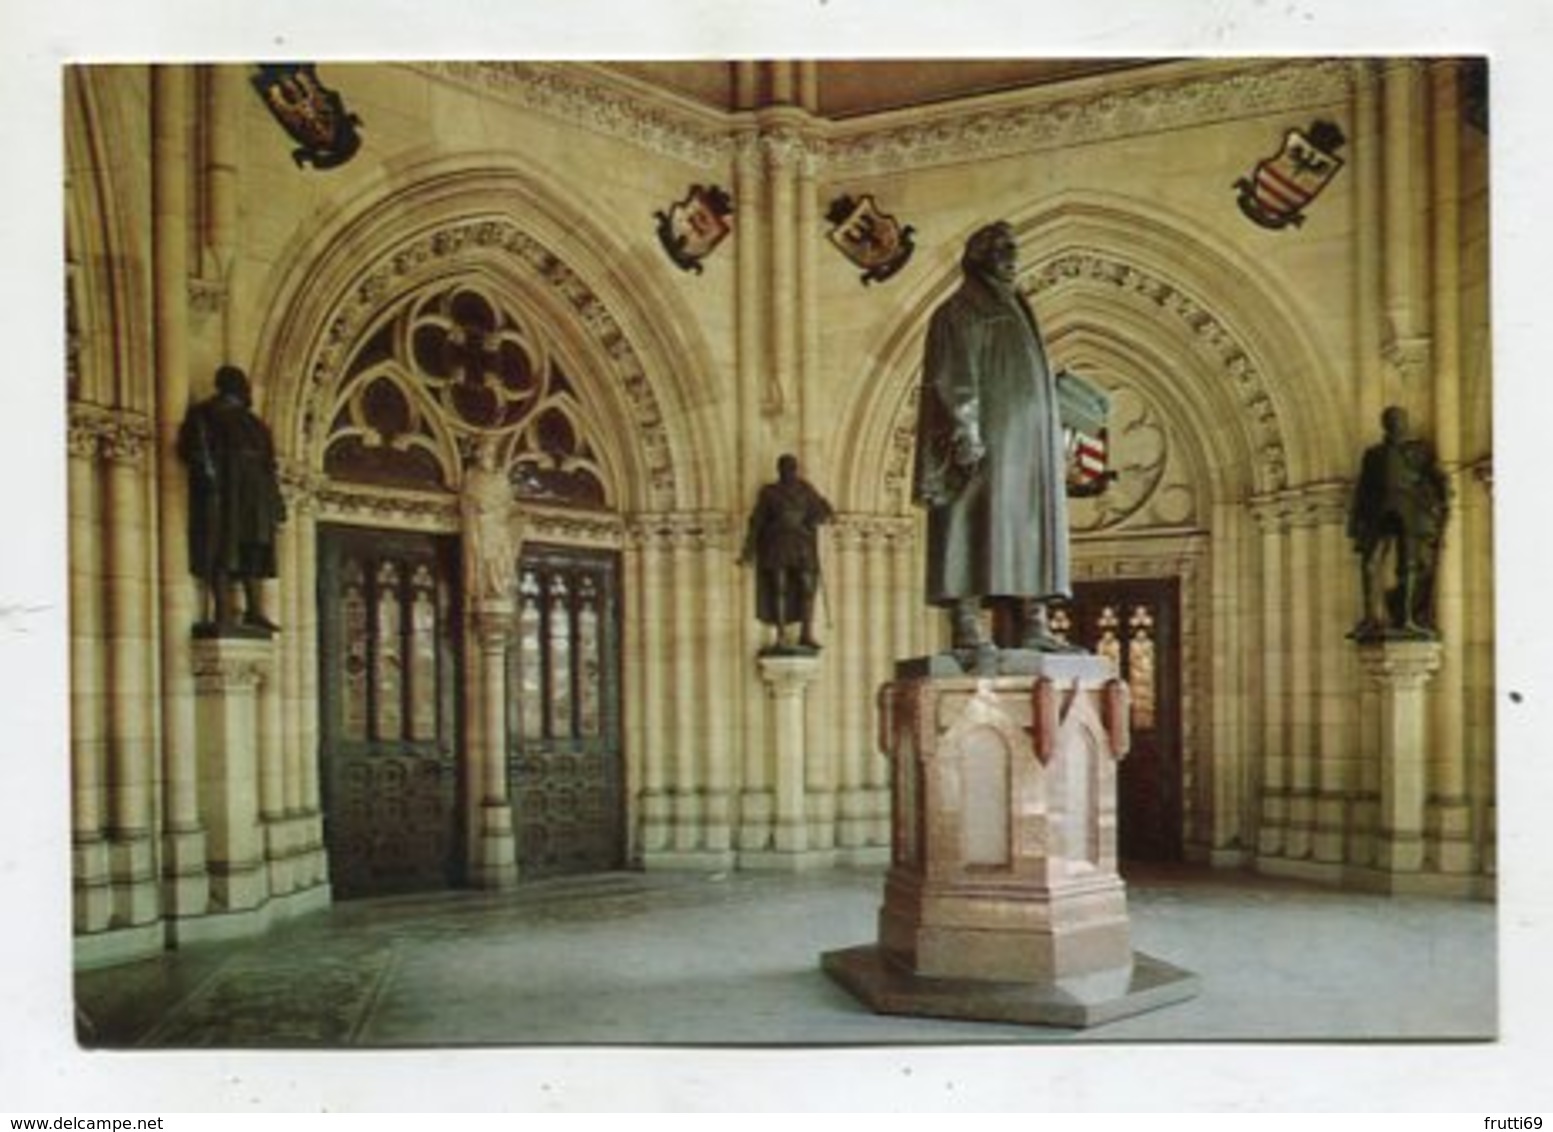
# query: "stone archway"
[[603, 367], [1203, 355]]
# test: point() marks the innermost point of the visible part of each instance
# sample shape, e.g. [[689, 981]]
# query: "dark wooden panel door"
[[1137, 625], [565, 768], [389, 684]]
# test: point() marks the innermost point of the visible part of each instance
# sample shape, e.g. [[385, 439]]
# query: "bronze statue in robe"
[[235, 503], [782, 540], [1399, 508], [990, 464]]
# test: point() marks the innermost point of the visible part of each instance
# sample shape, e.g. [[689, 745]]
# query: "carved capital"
[[855, 531], [1482, 472], [1411, 358], [127, 439], [300, 488], [88, 424], [786, 677], [679, 532], [383, 508], [225, 667], [1401, 665], [784, 149], [576, 527], [207, 296], [748, 157], [1310, 505], [492, 620]]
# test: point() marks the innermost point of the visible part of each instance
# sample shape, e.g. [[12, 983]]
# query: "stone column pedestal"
[[1002, 901], [1401, 669], [227, 674], [493, 861], [787, 679]]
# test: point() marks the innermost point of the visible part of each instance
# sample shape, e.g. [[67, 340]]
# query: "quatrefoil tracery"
[[449, 370]]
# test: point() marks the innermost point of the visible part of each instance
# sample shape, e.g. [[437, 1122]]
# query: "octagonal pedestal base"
[[1077, 1002]]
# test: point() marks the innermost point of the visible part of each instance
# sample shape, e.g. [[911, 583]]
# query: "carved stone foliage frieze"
[[583, 98], [681, 531], [377, 507], [1311, 505], [1042, 121], [862, 532], [412, 365], [109, 434], [1037, 120]]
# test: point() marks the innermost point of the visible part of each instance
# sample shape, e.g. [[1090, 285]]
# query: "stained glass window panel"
[[1141, 668], [353, 612], [560, 627], [589, 722], [389, 659], [423, 655], [530, 672]]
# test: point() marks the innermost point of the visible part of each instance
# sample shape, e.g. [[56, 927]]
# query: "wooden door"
[[389, 685], [1137, 625], [565, 769]]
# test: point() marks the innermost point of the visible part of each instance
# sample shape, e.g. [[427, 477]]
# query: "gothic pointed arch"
[[1142, 301], [475, 269], [106, 269]]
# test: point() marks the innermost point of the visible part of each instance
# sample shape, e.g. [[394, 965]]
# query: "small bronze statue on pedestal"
[[1399, 510], [782, 540], [235, 506]]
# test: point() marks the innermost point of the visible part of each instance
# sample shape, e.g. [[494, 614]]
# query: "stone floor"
[[641, 959]]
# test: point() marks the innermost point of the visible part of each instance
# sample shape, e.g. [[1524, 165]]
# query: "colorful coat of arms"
[[314, 115], [872, 239], [1084, 408], [1282, 185], [693, 227]]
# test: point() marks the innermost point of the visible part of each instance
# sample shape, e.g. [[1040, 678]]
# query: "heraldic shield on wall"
[[693, 227], [1281, 186], [870, 238], [1084, 409], [314, 115]]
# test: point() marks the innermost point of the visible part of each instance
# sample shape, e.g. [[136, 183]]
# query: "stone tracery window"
[[445, 367]]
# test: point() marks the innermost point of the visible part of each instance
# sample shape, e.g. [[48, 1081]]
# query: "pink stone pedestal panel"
[[1003, 901]]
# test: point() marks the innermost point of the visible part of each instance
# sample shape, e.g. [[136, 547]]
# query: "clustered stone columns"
[[1307, 757], [678, 693], [185, 882], [1362, 776]]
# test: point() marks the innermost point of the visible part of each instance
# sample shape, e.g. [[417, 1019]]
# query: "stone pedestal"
[[1002, 901], [787, 677], [493, 861], [1400, 670], [228, 672]]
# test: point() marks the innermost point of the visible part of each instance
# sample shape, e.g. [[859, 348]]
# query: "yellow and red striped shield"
[[1280, 187]]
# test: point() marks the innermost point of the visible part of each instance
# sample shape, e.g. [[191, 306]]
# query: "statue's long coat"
[[783, 541], [234, 493], [1000, 530]]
